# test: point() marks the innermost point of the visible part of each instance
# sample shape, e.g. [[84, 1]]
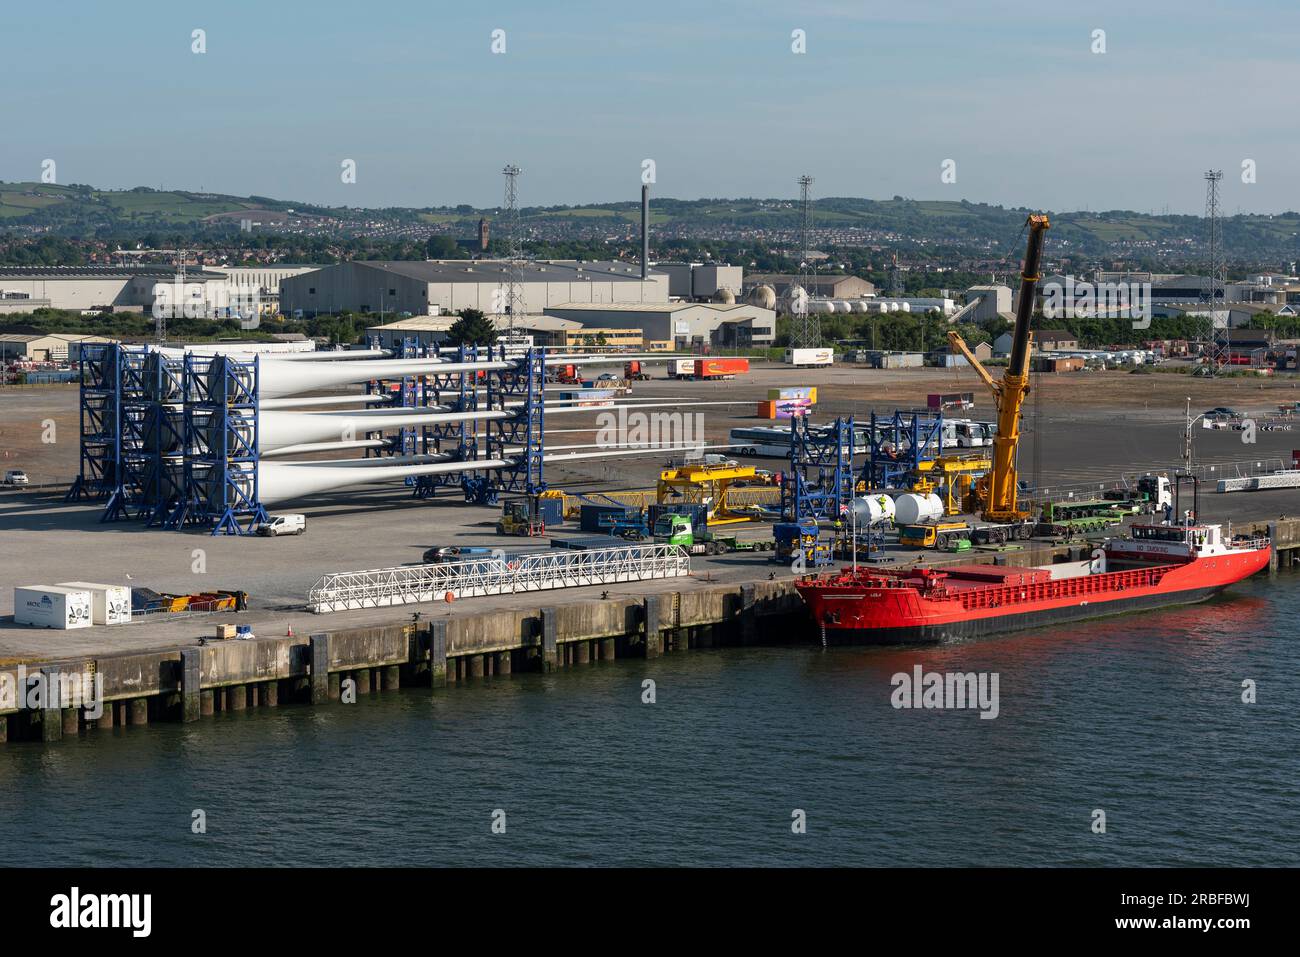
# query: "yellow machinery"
[[738, 498], [708, 484], [953, 479], [995, 493]]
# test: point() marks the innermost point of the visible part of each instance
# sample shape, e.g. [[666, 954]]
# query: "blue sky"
[[710, 90]]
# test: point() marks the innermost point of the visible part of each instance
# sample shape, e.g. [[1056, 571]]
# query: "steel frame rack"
[[221, 465], [165, 434], [526, 380], [459, 392], [830, 452], [99, 405], [918, 434]]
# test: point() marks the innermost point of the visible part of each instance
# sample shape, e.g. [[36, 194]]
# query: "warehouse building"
[[679, 325], [819, 287], [126, 288], [44, 347], [432, 330], [434, 287], [265, 280]]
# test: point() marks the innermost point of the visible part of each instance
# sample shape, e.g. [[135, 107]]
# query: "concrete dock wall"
[[197, 680]]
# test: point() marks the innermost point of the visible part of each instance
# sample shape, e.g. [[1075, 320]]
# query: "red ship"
[[1155, 566]]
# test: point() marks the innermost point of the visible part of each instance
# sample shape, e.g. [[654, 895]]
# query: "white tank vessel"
[[873, 509], [911, 508]]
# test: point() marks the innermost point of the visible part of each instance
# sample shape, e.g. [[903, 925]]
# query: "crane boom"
[[997, 490]]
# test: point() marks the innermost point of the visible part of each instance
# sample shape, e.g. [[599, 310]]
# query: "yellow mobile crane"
[[996, 491]]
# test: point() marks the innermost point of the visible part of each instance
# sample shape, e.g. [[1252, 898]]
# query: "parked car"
[[1221, 411], [456, 553], [283, 525], [607, 377], [16, 477]]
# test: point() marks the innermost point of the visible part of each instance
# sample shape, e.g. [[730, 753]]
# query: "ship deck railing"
[[1077, 587]]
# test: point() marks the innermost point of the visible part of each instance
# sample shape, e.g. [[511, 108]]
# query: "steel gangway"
[[498, 574]]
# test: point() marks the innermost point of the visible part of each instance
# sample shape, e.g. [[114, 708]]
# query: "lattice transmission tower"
[[806, 331], [513, 298], [1216, 325]]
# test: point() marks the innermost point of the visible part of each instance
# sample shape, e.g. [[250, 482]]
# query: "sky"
[[712, 91]]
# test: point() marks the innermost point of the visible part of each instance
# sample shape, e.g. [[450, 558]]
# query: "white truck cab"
[[283, 525]]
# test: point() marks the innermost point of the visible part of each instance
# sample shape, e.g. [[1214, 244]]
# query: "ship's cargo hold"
[[52, 606], [109, 604], [873, 509], [809, 357], [720, 368], [911, 508]]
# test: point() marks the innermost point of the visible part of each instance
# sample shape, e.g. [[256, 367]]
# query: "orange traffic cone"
[[289, 633]]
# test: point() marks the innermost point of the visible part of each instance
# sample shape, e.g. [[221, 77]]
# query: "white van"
[[283, 525]]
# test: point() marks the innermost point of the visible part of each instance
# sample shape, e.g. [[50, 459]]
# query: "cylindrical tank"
[[820, 305], [905, 306], [872, 509], [860, 306], [911, 508]]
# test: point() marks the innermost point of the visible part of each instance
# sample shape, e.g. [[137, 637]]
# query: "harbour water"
[[1140, 717]]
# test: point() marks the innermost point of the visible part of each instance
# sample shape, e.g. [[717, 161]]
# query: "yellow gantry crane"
[[996, 491]]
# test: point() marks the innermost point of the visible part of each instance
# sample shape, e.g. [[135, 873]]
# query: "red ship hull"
[[923, 607]]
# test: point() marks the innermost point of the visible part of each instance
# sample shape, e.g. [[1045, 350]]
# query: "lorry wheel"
[[941, 541]]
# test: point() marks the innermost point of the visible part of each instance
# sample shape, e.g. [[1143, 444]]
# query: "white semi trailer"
[[804, 358]]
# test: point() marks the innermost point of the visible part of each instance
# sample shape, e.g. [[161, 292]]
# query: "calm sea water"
[[1138, 716]]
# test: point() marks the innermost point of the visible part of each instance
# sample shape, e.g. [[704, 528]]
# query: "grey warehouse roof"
[[496, 271]]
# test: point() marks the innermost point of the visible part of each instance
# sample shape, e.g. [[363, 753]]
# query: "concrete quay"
[[188, 680]]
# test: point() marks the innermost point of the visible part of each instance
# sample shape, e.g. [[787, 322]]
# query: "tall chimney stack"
[[645, 231]]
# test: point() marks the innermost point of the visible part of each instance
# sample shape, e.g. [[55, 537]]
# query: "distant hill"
[[77, 210]]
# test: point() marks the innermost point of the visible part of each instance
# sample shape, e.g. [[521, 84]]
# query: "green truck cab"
[[674, 529]]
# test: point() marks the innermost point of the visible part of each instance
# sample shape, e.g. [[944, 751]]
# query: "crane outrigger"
[[996, 491]]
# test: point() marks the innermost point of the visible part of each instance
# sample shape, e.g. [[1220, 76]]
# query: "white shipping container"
[[809, 357], [109, 604], [681, 367], [50, 606]]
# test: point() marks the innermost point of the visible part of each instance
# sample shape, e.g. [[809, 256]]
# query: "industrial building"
[[44, 347], [264, 279], [702, 282], [130, 288], [426, 331], [819, 287], [678, 325], [545, 331], [434, 287], [993, 301]]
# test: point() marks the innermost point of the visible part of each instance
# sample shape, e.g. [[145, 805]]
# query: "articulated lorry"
[[675, 529]]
